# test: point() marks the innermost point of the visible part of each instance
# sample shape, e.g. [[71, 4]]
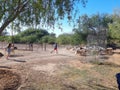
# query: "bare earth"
[[41, 70]]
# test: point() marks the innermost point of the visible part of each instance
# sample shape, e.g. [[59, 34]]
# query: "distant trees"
[[31, 35], [64, 39], [79, 38], [18, 13], [114, 28], [96, 25], [48, 39], [93, 29]]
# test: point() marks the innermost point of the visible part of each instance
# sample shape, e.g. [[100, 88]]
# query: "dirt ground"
[[42, 70]]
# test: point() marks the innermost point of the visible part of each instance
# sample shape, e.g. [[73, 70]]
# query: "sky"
[[92, 7]]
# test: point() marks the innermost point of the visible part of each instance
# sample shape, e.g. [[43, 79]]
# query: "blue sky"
[[92, 7], [101, 6]]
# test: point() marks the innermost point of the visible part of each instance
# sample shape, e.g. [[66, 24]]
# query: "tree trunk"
[[12, 17]]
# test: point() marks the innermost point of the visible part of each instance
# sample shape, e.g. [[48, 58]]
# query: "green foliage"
[[64, 39], [8, 39], [114, 28], [94, 23], [17, 39], [48, 39], [28, 12], [5, 38], [31, 35], [73, 39], [31, 32], [29, 39], [79, 38], [2, 38], [94, 26]]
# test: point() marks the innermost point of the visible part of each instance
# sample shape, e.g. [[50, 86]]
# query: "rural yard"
[[60, 45], [42, 70]]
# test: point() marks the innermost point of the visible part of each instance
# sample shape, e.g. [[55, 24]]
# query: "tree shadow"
[[16, 60], [16, 55], [104, 57], [19, 60], [95, 86], [52, 55], [64, 55], [5, 67]]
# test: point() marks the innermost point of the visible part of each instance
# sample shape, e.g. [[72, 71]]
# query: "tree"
[[48, 39], [79, 38], [94, 28], [30, 35], [114, 28], [45, 12], [64, 39]]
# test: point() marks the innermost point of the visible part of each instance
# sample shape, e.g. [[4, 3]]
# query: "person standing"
[[8, 50]]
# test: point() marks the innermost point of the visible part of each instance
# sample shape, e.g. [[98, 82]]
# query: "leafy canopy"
[[93, 29], [114, 28], [38, 12]]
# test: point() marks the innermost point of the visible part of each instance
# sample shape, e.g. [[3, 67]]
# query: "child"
[[55, 48], [8, 49]]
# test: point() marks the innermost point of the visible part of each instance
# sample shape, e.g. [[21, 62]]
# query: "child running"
[[55, 48]]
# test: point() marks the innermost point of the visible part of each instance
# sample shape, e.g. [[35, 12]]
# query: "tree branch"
[[19, 9]]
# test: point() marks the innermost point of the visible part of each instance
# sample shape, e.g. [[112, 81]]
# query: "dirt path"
[[37, 56], [36, 67], [25, 63], [39, 59]]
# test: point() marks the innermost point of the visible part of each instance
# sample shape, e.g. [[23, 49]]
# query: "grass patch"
[[99, 77], [110, 64], [95, 78]]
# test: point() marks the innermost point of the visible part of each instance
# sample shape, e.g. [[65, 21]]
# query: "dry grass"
[[9, 80], [64, 71], [94, 78]]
